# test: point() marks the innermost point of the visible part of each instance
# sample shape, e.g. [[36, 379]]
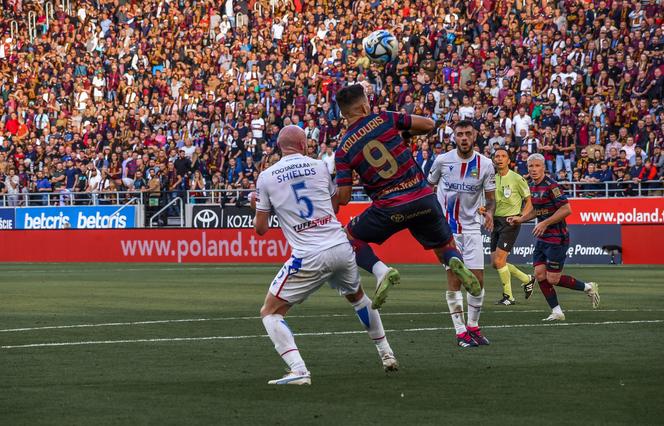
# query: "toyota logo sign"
[[206, 218]]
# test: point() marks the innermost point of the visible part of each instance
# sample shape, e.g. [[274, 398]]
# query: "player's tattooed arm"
[[490, 209]]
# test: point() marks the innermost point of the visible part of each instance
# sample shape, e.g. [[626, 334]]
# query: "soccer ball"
[[381, 46]]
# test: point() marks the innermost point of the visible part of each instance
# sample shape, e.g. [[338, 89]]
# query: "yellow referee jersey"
[[511, 190]]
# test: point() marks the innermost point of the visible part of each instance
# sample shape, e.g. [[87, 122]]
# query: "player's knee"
[[265, 311], [355, 297], [553, 278], [540, 275]]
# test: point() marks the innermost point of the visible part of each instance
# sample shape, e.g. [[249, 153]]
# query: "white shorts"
[[299, 278], [471, 248]]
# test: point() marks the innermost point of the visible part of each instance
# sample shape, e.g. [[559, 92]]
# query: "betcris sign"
[[7, 219], [76, 217]]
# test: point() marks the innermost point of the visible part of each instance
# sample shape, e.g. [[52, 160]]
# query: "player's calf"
[[370, 319]]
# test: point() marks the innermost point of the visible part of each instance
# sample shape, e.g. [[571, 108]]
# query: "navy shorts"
[[550, 254], [423, 218]]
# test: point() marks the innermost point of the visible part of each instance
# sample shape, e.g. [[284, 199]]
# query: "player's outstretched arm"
[[420, 125]]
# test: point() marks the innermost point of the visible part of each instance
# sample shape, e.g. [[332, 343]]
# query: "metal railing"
[[258, 8], [69, 198], [128, 203], [649, 188], [652, 188], [66, 6], [161, 211], [13, 30], [32, 26], [48, 7]]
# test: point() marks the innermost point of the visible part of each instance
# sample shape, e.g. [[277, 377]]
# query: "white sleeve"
[[262, 198], [434, 173], [490, 177], [331, 185]]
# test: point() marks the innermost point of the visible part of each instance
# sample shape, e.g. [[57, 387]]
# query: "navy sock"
[[549, 293], [571, 282], [449, 253], [364, 255]]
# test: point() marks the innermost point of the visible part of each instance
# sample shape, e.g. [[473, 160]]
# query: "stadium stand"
[[167, 98]]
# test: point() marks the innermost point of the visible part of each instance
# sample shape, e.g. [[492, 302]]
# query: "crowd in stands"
[[164, 96]]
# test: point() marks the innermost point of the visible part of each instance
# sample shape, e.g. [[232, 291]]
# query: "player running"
[[550, 207], [512, 194], [304, 198], [374, 147], [463, 177]]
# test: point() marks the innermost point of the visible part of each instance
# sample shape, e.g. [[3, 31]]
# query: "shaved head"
[[292, 140]]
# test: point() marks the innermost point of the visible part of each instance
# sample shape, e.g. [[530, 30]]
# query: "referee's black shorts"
[[503, 235]]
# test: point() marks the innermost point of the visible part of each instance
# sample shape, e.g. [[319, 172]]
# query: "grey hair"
[[535, 157]]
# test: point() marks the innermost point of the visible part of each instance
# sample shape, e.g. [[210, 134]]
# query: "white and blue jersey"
[[461, 186], [299, 190]]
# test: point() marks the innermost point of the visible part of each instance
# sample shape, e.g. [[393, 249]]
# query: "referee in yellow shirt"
[[512, 197]]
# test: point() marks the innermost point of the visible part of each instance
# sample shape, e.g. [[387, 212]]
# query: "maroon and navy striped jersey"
[[374, 148], [547, 197]]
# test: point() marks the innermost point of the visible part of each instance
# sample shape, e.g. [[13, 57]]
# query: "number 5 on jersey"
[[297, 188]]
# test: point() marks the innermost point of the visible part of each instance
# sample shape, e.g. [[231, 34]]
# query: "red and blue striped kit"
[[374, 148], [547, 197]]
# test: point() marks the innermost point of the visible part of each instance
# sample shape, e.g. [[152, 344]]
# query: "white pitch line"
[[386, 314], [322, 333]]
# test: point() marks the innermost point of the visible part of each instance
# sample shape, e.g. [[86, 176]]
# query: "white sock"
[[587, 287], [284, 342], [557, 310], [455, 303], [370, 319], [379, 270], [474, 308]]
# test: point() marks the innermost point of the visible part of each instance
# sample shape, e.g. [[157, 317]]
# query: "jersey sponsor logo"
[[362, 131], [313, 223], [398, 218], [399, 187], [460, 187]]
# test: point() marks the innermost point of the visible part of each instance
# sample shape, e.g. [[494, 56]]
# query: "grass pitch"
[[169, 344]]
